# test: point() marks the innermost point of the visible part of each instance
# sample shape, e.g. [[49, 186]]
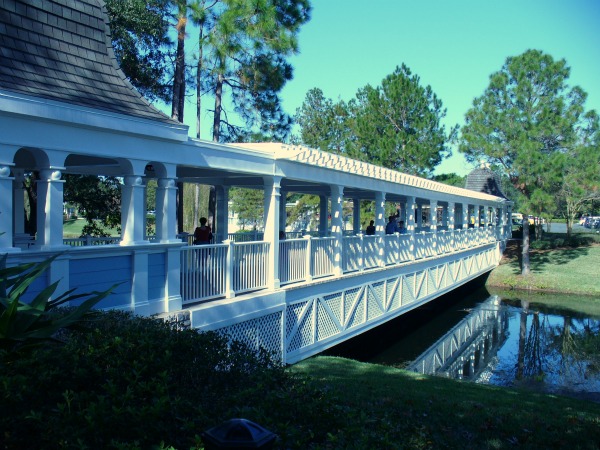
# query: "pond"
[[549, 343]]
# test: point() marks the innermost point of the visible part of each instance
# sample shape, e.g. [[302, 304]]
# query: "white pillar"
[[411, 208], [166, 210], [19, 201], [433, 216], [356, 216], [450, 215], [221, 224], [132, 210], [323, 215], [465, 215], [337, 223], [283, 211], [6, 209], [50, 209], [271, 219], [380, 219], [433, 224]]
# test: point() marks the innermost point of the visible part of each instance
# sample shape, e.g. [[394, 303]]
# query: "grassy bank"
[[566, 269], [390, 408]]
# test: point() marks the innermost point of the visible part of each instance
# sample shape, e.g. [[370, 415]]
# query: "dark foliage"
[[133, 382]]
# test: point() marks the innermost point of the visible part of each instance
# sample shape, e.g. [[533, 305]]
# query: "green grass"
[[386, 407], [567, 270], [73, 228]]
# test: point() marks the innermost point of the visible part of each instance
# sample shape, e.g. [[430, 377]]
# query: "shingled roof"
[[484, 180], [61, 50]]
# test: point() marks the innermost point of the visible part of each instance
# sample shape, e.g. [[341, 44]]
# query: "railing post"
[[410, 226], [451, 217], [229, 292], [309, 276]]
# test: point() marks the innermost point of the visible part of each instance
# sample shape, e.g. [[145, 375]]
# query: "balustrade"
[[205, 268]]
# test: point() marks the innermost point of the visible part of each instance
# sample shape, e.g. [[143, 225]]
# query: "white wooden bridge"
[[295, 297]]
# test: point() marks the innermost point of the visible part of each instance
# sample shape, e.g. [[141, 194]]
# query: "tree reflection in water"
[[547, 349]]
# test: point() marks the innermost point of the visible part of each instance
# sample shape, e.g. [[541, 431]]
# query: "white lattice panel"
[[335, 314], [263, 332]]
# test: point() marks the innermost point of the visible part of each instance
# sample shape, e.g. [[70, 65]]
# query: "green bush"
[[132, 382]]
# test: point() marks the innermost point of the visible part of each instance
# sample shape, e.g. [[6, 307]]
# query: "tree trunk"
[[525, 260], [212, 199], [198, 85], [218, 108], [179, 76]]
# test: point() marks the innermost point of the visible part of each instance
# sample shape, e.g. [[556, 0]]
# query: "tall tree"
[[323, 124], [178, 98], [398, 125], [244, 46], [139, 33], [525, 122], [581, 171]]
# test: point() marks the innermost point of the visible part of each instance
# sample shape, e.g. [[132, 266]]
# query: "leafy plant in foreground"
[[27, 324]]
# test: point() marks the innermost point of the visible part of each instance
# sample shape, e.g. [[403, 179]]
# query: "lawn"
[[567, 270], [386, 407], [73, 228]]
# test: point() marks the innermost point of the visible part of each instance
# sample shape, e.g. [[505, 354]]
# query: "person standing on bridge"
[[202, 234], [370, 231], [392, 226]]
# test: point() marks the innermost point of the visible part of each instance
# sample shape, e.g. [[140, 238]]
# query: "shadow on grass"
[[540, 259]]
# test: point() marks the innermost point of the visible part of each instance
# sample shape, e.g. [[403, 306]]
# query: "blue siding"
[[37, 286], [156, 275], [99, 274]]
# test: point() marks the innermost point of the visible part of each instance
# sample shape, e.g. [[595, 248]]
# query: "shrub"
[[132, 382]]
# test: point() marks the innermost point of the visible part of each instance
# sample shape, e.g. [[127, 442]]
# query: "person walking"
[[202, 234]]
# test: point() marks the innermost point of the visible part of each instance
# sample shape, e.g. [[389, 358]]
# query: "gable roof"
[[61, 50]]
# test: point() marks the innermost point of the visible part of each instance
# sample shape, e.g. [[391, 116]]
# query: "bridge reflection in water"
[[468, 351]]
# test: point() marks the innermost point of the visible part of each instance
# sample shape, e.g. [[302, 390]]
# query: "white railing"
[[250, 266], [91, 240], [292, 260], [321, 256], [224, 270], [204, 272]]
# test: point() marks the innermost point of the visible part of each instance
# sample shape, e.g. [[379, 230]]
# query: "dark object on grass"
[[238, 433]]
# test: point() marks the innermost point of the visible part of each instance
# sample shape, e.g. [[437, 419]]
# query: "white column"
[[356, 216], [433, 224], [222, 222], [283, 211], [6, 209], [337, 223], [411, 208], [433, 216], [166, 210], [50, 209], [465, 215], [380, 219], [132, 210], [19, 201], [323, 215], [450, 212], [271, 219]]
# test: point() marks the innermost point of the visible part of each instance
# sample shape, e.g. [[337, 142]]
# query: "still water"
[[495, 340]]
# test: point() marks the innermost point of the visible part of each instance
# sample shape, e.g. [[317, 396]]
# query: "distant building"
[[483, 179]]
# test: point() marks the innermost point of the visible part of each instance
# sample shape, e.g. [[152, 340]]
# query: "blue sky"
[[453, 45]]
